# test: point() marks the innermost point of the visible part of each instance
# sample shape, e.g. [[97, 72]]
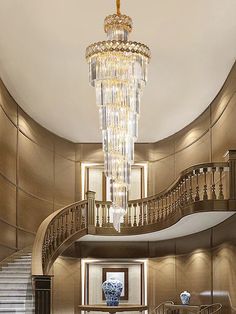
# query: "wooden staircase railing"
[[201, 188]]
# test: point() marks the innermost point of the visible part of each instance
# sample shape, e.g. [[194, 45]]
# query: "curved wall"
[[37, 175], [40, 172]]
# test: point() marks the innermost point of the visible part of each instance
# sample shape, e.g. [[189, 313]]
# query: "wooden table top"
[[113, 309]]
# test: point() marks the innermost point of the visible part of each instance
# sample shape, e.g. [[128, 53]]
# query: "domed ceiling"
[[42, 46]]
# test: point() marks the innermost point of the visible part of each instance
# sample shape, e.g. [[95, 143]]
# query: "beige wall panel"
[[221, 101], [224, 278], [64, 181], [5, 252], [64, 148], [193, 131], [162, 149], [32, 211], [90, 152], [35, 169], [78, 183], [8, 103], [160, 175], [223, 132], [35, 131], [7, 201], [161, 280], [8, 138], [221, 236], [66, 285], [193, 273], [141, 152], [199, 152], [7, 235], [25, 239]]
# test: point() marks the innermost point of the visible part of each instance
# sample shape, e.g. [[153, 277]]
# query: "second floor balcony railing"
[[208, 187]]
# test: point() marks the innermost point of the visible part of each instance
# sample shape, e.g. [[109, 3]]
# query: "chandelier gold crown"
[[118, 71]]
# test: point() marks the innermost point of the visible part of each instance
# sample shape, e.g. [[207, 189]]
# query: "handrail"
[[184, 173], [59, 227], [200, 188], [211, 307]]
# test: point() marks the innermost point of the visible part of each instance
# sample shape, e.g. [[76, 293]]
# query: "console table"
[[113, 309], [181, 309]]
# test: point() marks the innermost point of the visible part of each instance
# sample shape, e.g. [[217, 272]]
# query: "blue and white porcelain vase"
[[112, 289], [185, 297]]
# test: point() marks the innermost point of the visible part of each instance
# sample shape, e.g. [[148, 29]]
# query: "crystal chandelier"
[[118, 71]]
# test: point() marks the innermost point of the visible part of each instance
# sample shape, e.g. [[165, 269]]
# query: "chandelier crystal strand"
[[118, 71]]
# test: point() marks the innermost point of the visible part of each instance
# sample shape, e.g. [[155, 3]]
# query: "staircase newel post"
[[90, 196], [42, 291], [230, 157]]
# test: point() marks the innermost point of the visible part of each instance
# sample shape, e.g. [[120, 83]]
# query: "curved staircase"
[[16, 293]]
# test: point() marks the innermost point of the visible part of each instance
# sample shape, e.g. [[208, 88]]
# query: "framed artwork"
[[119, 274]]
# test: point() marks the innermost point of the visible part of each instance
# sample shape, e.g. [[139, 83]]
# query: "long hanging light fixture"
[[118, 71]]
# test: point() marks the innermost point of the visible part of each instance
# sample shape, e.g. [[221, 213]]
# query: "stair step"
[[14, 276], [16, 304], [16, 293], [16, 271], [16, 311]]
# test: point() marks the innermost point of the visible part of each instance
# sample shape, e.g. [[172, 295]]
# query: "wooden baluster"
[[97, 215], [197, 197], [221, 194], [170, 203], [103, 215], [213, 185], [158, 210], [54, 236], [66, 227], [140, 223], [78, 218], [108, 214], [135, 215], [72, 220], [205, 195], [153, 211], [58, 231], [129, 215], [144, 213], [83, 222], [190, 198], [126, 218], [62, 228], [149, 211], [185, 191]]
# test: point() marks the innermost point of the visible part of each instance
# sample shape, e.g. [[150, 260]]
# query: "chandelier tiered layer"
[[118, 71]]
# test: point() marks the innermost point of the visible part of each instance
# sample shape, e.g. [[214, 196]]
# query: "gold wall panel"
[[25, 239], [90, 152], [32, 211], [219, 234], [35, 169], [8, 138], [64, 181], [197, 153], [66, 285], [160, 174], [223, 132], [193, 273], [224, 277], [7, 235], [193, 132], [8, 103], [161, 280], [5, 252], [34, 131], [7, 201], [64, 148], [221, 100]]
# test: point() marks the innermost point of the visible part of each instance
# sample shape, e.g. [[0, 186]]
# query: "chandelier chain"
[[118, 7]]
